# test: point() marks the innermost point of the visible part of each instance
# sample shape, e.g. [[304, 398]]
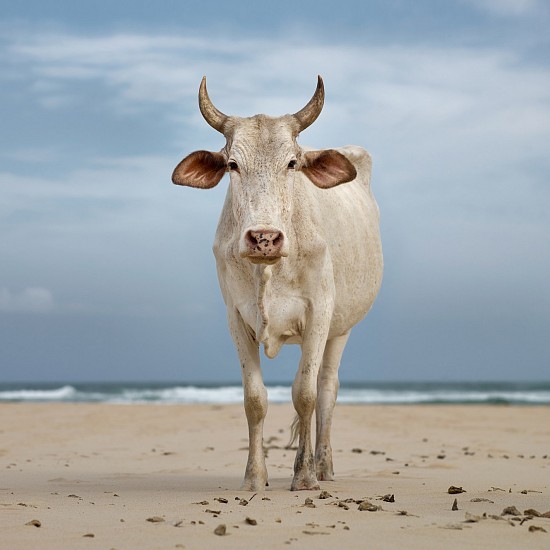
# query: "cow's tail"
[[294, 431]]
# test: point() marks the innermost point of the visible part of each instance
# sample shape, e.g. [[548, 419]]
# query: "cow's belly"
[[355, 296], [357, 279]]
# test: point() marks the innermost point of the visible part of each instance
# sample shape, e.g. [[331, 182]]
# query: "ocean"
[[372, 393]]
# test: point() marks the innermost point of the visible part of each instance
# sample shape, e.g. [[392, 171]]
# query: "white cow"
[[299, 261]]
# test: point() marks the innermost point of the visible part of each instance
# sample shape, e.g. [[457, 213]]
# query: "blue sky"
[[106, 270]]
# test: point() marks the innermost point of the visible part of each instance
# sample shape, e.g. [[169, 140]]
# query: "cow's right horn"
[[213, 116], [307, 116]]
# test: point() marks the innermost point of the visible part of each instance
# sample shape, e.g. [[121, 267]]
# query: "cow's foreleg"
[[327, 390], [304, 392], [255, 402]]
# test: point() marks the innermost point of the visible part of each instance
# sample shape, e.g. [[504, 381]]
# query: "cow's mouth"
[[268, 260]]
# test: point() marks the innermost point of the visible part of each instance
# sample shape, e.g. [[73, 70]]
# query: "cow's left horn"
[[307, 116], [213, 116]]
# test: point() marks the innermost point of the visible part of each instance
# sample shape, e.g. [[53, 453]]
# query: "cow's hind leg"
[[327, 390], [255, 403]]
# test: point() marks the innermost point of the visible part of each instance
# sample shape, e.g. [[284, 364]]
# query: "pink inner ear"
[[201, 169], [328, 168]]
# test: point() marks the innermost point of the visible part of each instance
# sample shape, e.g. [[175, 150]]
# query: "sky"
[[106, 268]]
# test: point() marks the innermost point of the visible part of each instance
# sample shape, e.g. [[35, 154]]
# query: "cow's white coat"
[[323, 281]]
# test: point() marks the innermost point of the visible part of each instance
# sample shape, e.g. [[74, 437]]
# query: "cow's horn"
[[215, 118], [307, 116]]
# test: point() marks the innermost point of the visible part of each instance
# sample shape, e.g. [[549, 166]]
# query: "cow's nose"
[[266, 243]]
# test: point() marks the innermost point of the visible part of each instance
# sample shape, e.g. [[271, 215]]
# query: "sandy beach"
[[167, 476]]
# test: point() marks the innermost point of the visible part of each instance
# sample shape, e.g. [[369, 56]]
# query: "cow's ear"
[[201, 169], [327, 168]]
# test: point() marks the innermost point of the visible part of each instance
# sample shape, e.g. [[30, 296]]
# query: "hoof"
[[305, 485], [325, 476], [255, 478], [323, 463], [254, 485]]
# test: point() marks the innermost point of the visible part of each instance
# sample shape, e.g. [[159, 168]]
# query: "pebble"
[[34, 523], [220, 530], [510, 511], [368, 506], [155, 519]]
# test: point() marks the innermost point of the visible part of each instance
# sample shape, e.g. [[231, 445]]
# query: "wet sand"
[[168, 476]]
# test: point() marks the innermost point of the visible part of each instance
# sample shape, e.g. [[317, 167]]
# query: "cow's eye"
[[233, 166], [292, 164]]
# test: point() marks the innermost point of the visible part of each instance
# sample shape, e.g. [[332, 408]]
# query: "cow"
[[299, 261]]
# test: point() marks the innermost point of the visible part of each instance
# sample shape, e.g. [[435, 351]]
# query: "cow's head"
[[262, 157]]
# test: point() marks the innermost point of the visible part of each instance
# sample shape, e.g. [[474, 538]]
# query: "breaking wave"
[[373, 393]]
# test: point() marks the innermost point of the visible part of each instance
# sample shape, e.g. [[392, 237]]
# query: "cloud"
[[458, 137], [29, 300], [508, 8], [159, 69], [444, 102], [94, 124], [464, 115], [110, 238], [139, 67]]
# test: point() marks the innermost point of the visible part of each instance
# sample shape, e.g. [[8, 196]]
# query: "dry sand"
[[166, 476]]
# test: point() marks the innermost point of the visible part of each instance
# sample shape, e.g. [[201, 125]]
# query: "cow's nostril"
[[251, 240]]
